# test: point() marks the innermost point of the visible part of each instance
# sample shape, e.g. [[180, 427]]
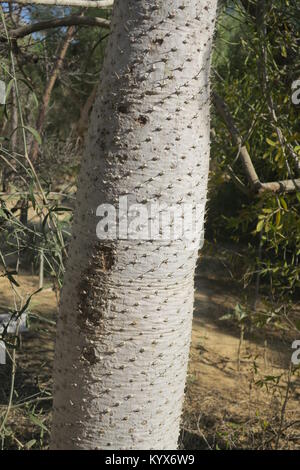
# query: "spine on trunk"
[[126, 310]]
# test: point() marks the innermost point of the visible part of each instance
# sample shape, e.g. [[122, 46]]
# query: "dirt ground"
[[225, 408]]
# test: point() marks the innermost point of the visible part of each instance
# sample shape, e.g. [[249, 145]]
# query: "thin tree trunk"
[[82, 124], [124, 329], [41, 269], [13, 139], [73, 20], [14, 121], [33, 153]]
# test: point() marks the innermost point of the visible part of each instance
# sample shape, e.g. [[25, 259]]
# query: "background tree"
[[260, 36]]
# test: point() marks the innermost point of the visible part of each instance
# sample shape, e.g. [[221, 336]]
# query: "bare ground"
[[224, 408]]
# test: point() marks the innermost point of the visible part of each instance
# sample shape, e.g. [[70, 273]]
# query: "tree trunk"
[[125, 321], [34, 147]]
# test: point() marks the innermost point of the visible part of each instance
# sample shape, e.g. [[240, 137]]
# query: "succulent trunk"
[[124, 329]]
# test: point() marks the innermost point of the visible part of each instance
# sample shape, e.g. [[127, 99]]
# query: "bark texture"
[[126, 311]]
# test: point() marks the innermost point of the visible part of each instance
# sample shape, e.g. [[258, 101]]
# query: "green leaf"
[[9, 275], [228, 316], [36, 101], [30, 444], [283, 203], [61, 209], [12, 279], [283, 51], [38, 422], [8, 89], [271, 142], [3, 214], [260, 225], [35, 134]]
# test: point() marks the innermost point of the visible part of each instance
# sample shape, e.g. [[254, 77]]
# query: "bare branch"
[[238, 183], [82, 124], [34, 147], [285, 186], [244, 154], [67, 3], [56, 23]]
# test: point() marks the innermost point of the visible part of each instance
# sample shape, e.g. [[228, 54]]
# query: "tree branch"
[[67, 3], [285, 186], [56, 23], [249, 169], [34, 146]]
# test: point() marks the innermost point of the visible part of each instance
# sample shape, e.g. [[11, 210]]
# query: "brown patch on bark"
[[89, 354], [101, 261], [123, 108], [106, 257]]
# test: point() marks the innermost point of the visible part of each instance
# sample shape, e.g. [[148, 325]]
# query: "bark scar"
[[102, 260]]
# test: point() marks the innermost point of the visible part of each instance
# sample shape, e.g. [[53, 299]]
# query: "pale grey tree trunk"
[[126, 312]]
